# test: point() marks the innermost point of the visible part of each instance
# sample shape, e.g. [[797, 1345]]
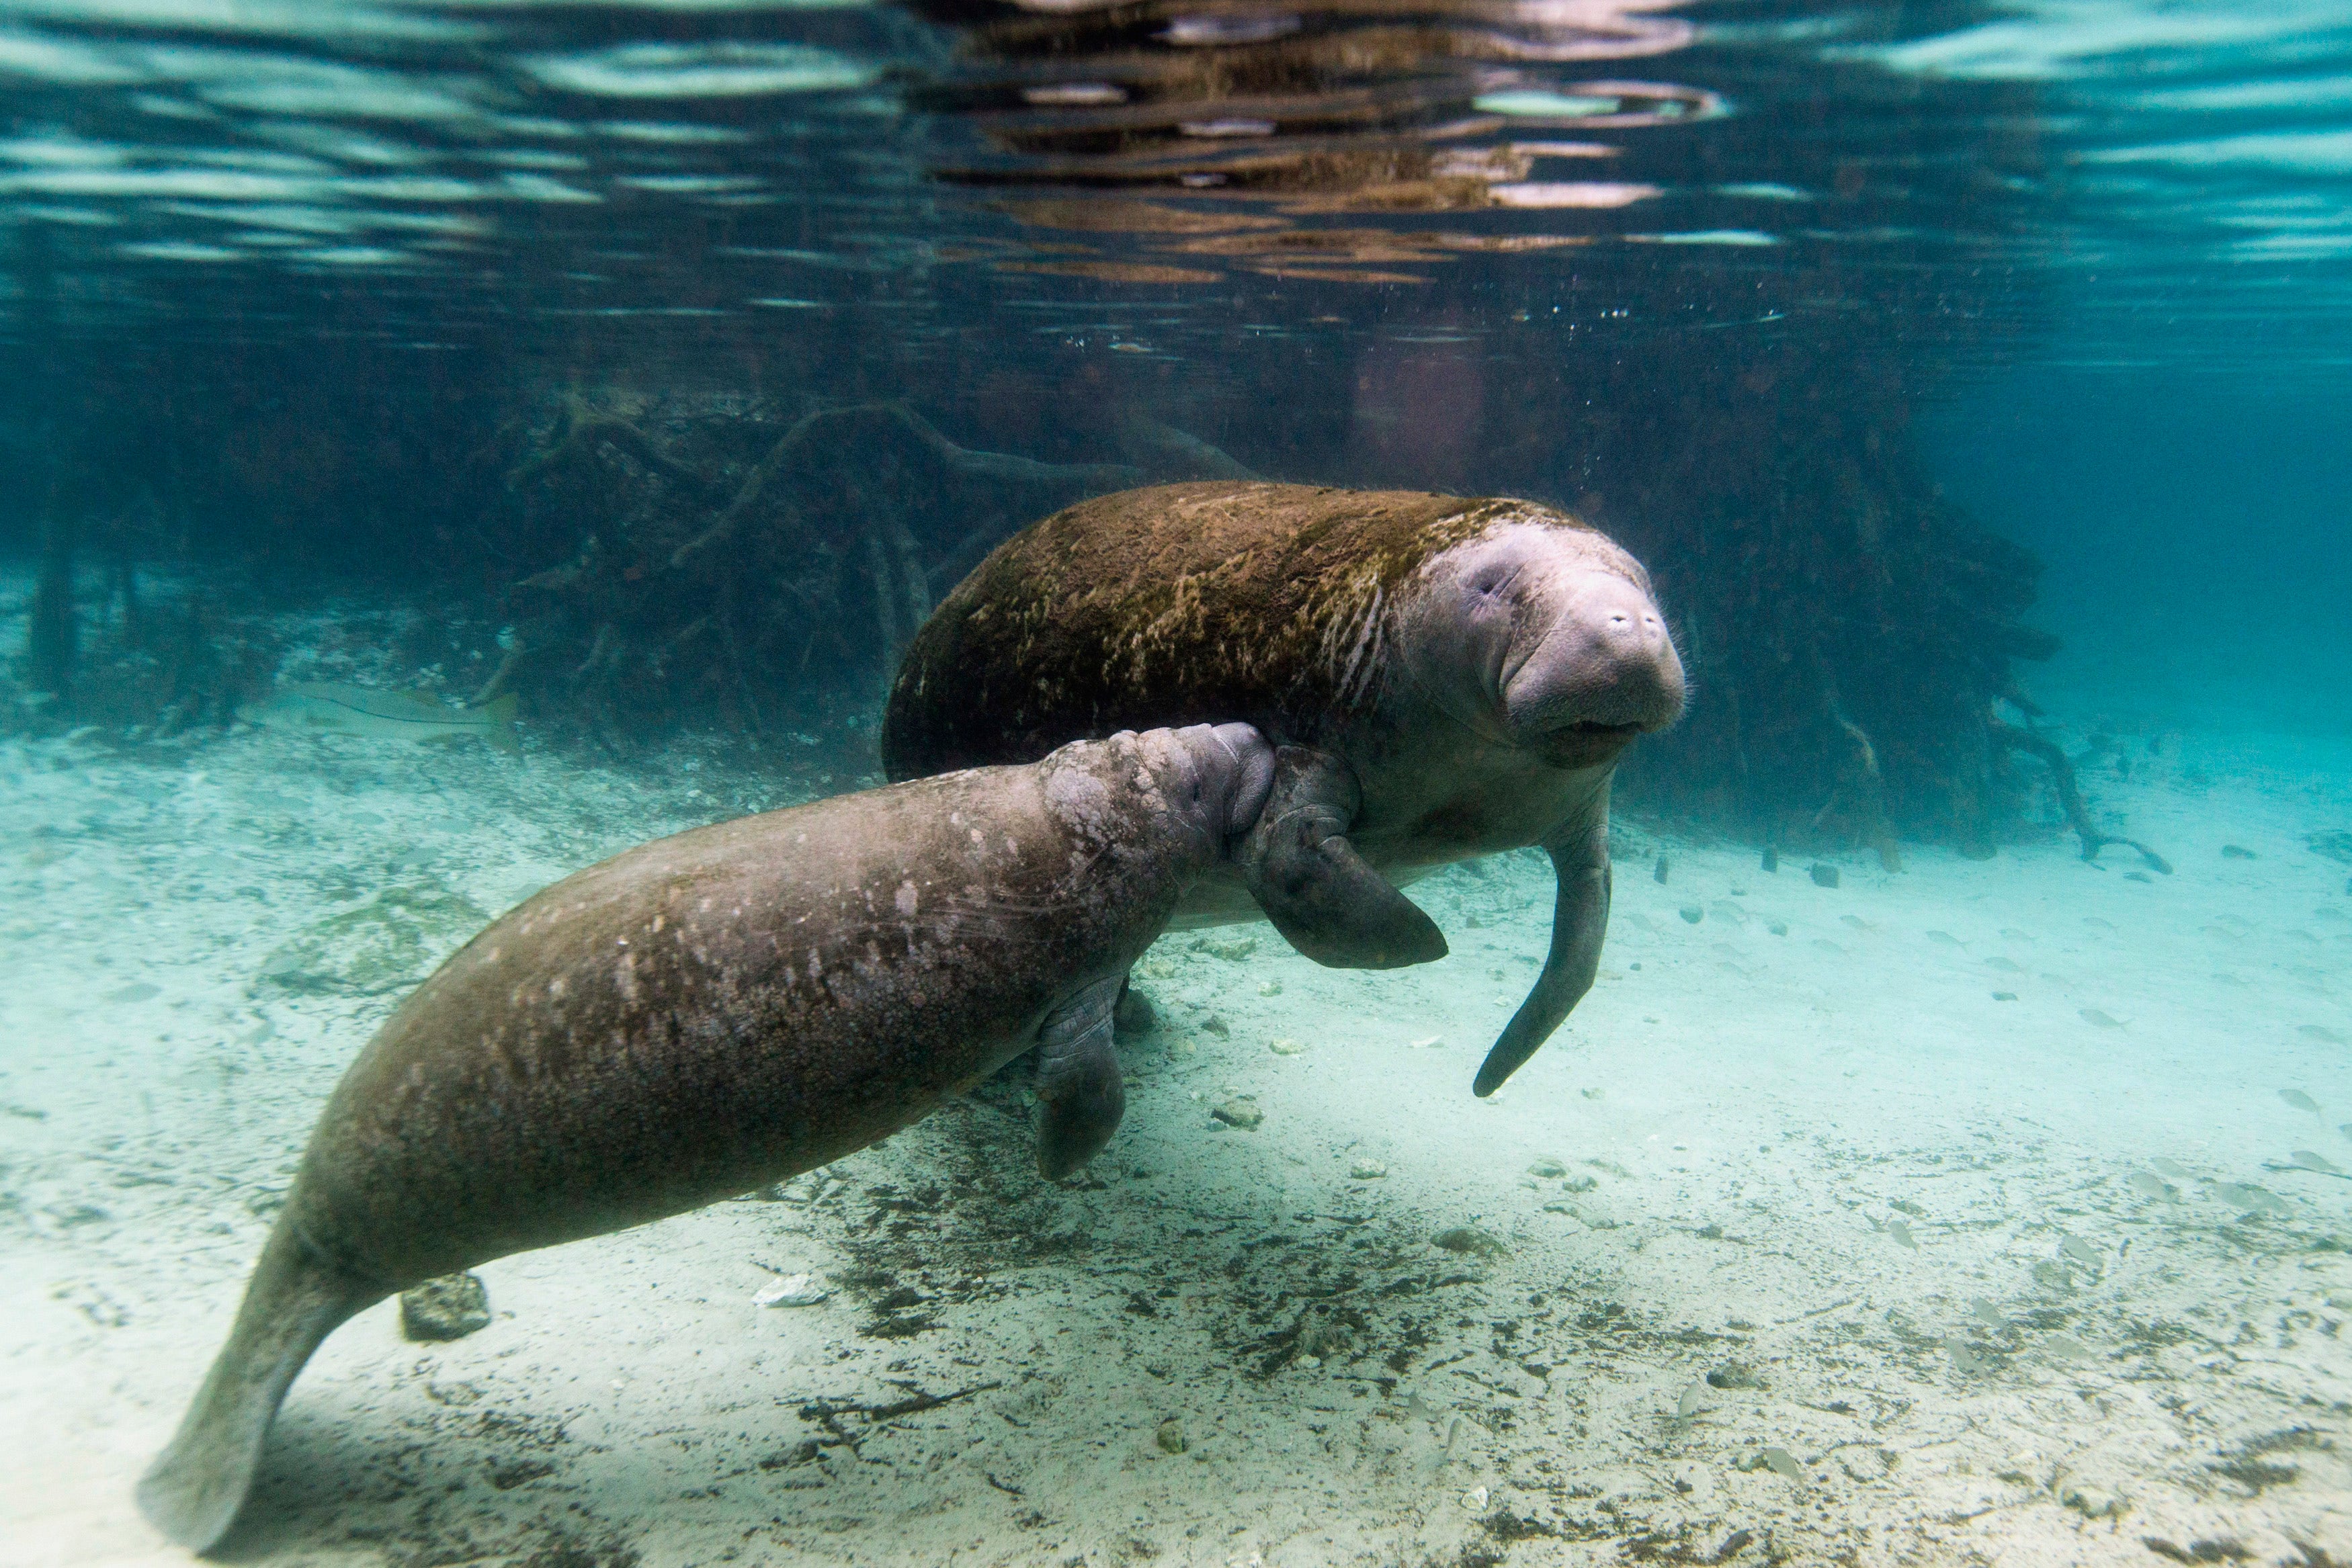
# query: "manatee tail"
[[1579, 919], [195, 1487]]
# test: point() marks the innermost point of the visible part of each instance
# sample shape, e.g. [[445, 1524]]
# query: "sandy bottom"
[[1832, 1230]]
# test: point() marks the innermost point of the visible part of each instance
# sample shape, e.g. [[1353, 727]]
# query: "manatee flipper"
[[1325, 898], [195, 1487], [1579, 919], [1079, 1095]]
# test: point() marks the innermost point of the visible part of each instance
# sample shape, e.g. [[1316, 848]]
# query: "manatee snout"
[[1603, 671], [1222, 775]]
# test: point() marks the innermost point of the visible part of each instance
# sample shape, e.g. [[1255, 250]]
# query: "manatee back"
[[1172, 605]]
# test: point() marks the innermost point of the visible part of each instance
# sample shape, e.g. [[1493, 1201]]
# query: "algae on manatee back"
[[384, 944]]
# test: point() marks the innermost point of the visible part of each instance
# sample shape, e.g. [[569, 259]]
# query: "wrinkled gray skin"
[[715, 1011], [1525, 660]]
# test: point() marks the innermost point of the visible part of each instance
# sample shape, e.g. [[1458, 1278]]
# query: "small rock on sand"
[[1470, 1241], [450, 1307], [1240, 1111], [1825, 875], [791, 1291]]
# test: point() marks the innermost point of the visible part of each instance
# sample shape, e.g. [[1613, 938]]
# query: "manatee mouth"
[[1588, 741]]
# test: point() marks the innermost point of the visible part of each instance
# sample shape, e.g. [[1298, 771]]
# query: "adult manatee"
[[1443, 678]]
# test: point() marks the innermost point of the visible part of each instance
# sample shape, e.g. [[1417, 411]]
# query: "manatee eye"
[[1489, 581]]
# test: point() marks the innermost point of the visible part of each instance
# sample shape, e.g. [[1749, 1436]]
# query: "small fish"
[[2319, 1031], [1985, 1313], [2014, 934], [1946, 938], [331, 707], [1782, 1463], [2300, 1101], [2101, 924], [1693, 1400], [1857, 922], [2082, 1251], [1966, 1359], [2311, 1160], [2149, 1187], [1901, 1232], [2065, 1347], [2171, 1168], [2249, 1198], [2094, 1015], [2004, 965], [2053, 1276]]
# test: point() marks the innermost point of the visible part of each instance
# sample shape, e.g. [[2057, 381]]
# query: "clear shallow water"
[[373, 343]]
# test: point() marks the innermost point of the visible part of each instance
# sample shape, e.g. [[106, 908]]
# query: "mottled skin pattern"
[[705, 1014], [1446, 678]]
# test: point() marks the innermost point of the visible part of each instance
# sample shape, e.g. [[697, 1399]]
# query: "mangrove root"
[[2070, 799]]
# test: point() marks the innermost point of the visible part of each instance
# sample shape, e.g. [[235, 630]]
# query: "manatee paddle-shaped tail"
[[1579, 919], [195, 1487], [1324, 897], [1079, 1095]]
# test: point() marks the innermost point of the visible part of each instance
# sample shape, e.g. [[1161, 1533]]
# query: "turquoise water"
[[619, 388]]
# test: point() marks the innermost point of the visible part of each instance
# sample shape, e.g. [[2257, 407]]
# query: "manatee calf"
[[1444, 678], [714, 1011]]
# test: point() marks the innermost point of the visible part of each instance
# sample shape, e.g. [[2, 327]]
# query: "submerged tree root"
[[2010, 738], [712, 558]]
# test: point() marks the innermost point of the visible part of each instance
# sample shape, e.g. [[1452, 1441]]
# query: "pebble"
[[1772, 861], [1233, 949], [1548, 1169], [2236, 853], [1659, 871], [1367, 1170], [790, 1291], [450, 1307], [1692, 914], [1269, 987], [1825, 875], [2093, 1502], [1283, 1045], [1475, 1498], [1171, 1437], [1469, 1241], [1240, 1111]]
